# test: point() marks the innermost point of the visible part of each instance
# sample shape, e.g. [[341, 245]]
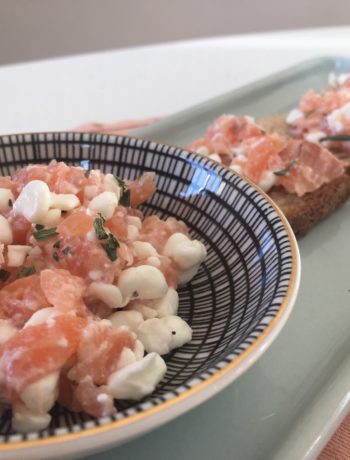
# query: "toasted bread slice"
[[303, 213]]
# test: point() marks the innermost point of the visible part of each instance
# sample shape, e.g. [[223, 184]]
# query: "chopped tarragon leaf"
[[66, 250], [285, 171], [45, 233], [111, 246], [119, 181], [57, 245], [87, 173], [55, 256], [124, 199], [4, 275], [99, 229], [336, 137], [39, 226], [25, 271]]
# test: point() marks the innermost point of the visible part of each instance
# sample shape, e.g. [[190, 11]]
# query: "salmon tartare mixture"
[[297, 165], [324, 116], [88, 300]]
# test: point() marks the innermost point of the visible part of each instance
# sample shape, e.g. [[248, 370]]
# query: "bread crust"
[[303, 213]]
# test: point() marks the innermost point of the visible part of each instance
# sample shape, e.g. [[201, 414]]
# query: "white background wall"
[[36, 29]]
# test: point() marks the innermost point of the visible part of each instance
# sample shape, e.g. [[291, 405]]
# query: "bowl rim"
[[203, 390]]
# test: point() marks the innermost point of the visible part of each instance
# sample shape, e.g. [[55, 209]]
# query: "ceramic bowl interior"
[[244, 290]]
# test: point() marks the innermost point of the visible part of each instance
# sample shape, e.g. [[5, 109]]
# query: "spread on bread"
[[301, 160]]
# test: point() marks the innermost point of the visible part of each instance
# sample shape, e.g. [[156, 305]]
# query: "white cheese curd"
[[25, 420], [105, 204], [34, 201], [6, 198], [144, 282], [154, 260], [127, 357], [126, 329], [215, 157], [162, 335], [16, 254], [139, 350], [111, 185], [7, 330], [181, 332], [108, 293], [138, 379], [135, 221], [130, 318], [155, 336], [52, 218], [145, 311], [315, 136], [64, 201], [335, 118], [184, 277], [294, 115], [184, 252], [6, 236], [267, 181], [144, 250], [40, 396], [42, 315], [166, 305], [133, 232], [175, 240]]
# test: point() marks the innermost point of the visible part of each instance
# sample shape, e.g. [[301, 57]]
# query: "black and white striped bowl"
[[236, 305]]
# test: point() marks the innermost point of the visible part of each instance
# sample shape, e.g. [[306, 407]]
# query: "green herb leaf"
[[25, 271], [39, 226], [111, 247], [57, 244], [99, 229], [285, 171], [87, 173], [66, 250], [336, 137], [120, 182], [45, 233], [124, 199], [55, 256], [4, 275]]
